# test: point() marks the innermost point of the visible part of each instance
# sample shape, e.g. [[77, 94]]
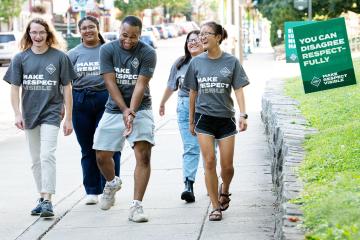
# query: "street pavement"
[[251, 212]]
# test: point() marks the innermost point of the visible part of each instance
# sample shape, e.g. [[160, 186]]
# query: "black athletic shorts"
[[217, 127]]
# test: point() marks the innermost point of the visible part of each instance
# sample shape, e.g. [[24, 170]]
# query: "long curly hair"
[[51, 38]]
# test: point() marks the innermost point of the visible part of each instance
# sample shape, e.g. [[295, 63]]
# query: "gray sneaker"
[[107, 199], [137, 214], [46, 209], [37, 210]]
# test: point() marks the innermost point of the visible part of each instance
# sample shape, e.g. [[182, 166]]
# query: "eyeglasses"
[[194, 40], [90, 28], [41, 33], [206, 34]]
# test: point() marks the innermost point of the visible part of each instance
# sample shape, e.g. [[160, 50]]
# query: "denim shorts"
[[109, 133], [217, 127]]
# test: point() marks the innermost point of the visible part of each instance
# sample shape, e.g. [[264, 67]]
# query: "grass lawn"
[[331, 170]]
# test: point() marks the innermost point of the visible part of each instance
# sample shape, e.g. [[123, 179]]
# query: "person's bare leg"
[[206, 143], [226, 147], [106, 164], [142, 171]]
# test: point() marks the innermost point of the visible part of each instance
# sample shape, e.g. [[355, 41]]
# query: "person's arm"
[[239, 93], [139, 91], [68, 102], [135, 102], [15, 103], [167, 94], [192, 99], [114, 91]]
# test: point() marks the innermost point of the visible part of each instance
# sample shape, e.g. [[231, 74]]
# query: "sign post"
[[324, 55]]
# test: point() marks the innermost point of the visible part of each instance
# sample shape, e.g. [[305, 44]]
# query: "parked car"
[[153, 30], [172, 32], [189, 26], [110, 36], [163, 32], [147, 39], [8, 46]]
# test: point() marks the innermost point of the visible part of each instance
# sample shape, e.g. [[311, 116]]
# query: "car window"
[[7, 38]]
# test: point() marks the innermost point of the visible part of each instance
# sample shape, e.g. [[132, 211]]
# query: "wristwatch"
[[244, 115]]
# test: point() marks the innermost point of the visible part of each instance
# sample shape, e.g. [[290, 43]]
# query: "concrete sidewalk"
[[250, 215], [251, 212]]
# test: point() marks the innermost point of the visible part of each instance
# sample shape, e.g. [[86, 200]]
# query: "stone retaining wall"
[[286, 129]]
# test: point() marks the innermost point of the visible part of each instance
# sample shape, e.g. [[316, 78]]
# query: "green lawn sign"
[[324, 55], [290, 47]]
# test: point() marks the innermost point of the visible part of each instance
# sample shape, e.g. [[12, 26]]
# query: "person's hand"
[[192, 128], [162, 110], [242, 124], [67, 127], [129, 125], [126, 114], [19, 122], [128, 117]]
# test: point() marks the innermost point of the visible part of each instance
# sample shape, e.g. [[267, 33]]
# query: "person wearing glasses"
[[193, 47], [89, 98], [44, 74], [211, 76], [127, 66]]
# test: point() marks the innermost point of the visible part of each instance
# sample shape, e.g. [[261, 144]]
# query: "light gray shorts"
[[109, 133]]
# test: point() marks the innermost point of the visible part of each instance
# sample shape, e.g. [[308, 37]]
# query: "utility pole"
[[310, 10], [239, 47]]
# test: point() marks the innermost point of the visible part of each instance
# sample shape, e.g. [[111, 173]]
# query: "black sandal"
[[224, 199], [215, 215]]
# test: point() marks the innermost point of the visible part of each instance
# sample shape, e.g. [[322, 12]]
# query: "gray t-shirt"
[[213, 79], [87, 66], [127, 66], [176, 79], [41, 77]]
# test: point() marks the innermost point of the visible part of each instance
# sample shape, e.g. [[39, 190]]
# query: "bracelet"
[[244, 115]]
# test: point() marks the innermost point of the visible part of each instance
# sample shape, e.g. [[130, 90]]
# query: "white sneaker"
[[91, 199], [107, 199], [137, 214]]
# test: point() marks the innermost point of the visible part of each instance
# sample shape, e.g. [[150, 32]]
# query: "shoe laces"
[[106, 194], [139, 209], [46, 204]]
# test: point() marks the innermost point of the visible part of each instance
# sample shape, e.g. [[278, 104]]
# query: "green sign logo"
[[324, 55]]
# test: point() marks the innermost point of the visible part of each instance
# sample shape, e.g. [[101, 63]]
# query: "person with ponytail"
[[191, 156], [211, 76], [89, 99]]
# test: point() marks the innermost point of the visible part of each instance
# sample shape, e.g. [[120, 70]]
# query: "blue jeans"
[[191, 147], [88, 107]]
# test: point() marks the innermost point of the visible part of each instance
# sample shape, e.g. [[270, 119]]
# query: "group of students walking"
[[102, 92]]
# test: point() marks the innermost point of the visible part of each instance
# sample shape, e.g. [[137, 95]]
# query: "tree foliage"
[[280, 11], [135, 7], [10, 8]]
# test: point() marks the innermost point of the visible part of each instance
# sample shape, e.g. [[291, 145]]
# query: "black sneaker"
[[37, 210], [46, 209]]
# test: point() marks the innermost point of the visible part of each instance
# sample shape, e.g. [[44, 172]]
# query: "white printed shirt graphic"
[[37, 82]]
